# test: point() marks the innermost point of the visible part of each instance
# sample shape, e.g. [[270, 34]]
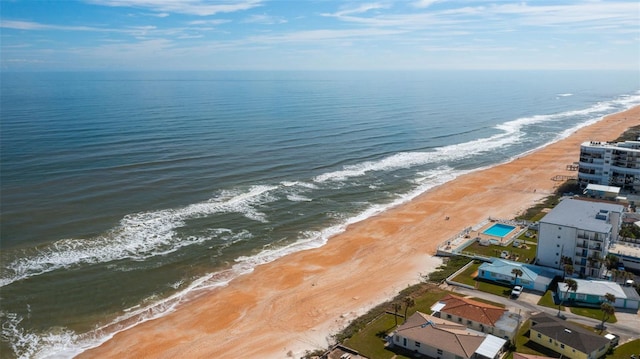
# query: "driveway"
[[627, 326]]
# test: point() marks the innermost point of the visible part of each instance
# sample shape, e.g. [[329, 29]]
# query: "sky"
[[90, 35]]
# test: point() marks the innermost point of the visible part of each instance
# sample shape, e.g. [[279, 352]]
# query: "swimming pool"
[[499, 230]]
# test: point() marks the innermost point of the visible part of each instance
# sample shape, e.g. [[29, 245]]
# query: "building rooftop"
[[567, 333], [471, 309], [595, 287], [445, 335], [587, 215], [530, 272]]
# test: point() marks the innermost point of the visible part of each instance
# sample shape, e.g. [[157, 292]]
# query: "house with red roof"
[[476, 315]]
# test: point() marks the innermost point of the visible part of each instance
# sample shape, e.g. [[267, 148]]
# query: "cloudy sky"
[[318, 34]]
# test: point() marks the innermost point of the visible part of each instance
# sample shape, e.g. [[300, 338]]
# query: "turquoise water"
[[499, 230], [124, 192]]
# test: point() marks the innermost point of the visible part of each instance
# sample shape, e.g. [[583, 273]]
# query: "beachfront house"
[[438, 338], [592, 292], [610, 164], [566, 339], [533, 277], [578, 232], [476, 315]]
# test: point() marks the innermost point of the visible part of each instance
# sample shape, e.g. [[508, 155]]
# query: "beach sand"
[[295, 303]]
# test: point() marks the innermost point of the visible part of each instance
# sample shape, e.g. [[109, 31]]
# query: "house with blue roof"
[[533, 277]]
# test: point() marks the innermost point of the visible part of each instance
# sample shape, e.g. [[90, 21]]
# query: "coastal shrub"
[[632, 134], [448, 268]]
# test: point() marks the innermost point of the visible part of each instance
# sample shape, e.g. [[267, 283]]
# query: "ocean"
[[125, 193]]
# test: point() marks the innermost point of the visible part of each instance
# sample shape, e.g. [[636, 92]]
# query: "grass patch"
[[450, 266], [467, 276], [625, 350], [494, 251], [493, 288], [547, 301], [594, 313], [366, 334]]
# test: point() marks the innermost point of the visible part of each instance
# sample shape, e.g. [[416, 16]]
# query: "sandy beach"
[[295, 303]]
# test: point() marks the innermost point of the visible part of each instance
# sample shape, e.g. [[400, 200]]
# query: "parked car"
[[516, 291]]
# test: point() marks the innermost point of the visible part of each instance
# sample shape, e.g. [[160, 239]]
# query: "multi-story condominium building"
[[578, 232], [610, 164]]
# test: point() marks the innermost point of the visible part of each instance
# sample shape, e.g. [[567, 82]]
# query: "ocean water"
[[123, 194]]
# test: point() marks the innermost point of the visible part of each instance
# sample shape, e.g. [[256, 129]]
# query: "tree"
[[408, 303], [396, 309], [611, 261], [572, 285], [568, 269], [517, 273], [607, 309]]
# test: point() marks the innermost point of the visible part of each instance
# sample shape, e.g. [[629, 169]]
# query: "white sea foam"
[[564, 94], [298, 198], [511, 133], [137, 237]]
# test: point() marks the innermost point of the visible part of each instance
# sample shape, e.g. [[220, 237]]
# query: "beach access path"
[[294, 303]]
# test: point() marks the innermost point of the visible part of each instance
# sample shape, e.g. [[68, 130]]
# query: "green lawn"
[[625, 350], [547, 301], [594, 313], [370, 340], [467, 276], [495, 250], [493, 288]]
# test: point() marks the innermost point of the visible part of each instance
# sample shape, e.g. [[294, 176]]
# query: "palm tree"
[[396, 308], [517, 273], [408, 302], [607, 309], [568, 269], [572, 285]]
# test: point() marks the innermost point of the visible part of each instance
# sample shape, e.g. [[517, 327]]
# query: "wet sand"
[[295, 303]]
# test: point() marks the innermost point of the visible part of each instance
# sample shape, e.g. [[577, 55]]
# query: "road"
[[627, 326]]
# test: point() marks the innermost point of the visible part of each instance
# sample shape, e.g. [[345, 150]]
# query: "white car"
[[516, 291]]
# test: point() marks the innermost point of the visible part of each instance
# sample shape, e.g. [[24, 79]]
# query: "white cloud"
[[424, 3], [264, 20], [190, 7]]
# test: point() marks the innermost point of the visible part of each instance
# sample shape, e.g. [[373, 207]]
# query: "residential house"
[[533, 277], [442, 339], [592, 292], [566, 339], [479, 316], [578, 232]]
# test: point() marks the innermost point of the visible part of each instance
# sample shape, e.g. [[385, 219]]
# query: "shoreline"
[[293, 303]]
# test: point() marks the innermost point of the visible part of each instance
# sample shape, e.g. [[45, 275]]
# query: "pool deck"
[[470, 235]]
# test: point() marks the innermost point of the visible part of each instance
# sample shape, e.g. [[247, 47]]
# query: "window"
[[469, 322], [418, 344], [550, 340], [562, 346], [439, 351], [459, 320], [448, 316], [539, 335]]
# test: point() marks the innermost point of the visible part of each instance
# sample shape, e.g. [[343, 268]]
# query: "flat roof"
[[575, 213], [603, 188], [491, 346]]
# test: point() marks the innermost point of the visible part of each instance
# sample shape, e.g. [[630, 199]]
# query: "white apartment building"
[[610, 164], [579, 230]]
